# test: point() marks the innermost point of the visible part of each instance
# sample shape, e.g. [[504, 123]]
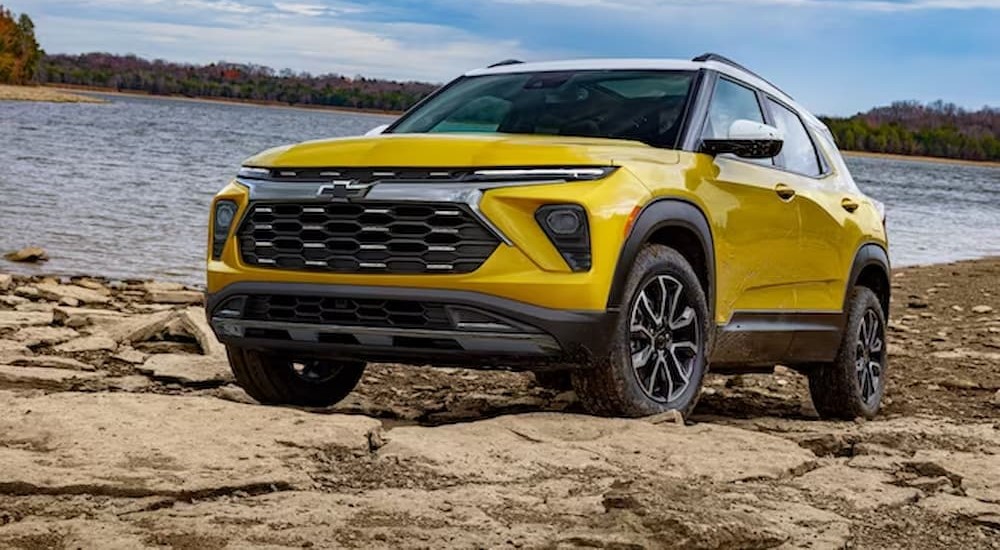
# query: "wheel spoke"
[[873, 326], [876, 369], [876, 345], [641, 358], [864, 330], [667, 304], [648, 306], [639, 328], [683, 367], [687, 316], [668, 379], [652, 375]]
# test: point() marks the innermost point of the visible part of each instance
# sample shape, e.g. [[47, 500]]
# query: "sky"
[[836, 57]]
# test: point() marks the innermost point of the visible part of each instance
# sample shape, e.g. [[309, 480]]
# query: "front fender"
[[658, 215]]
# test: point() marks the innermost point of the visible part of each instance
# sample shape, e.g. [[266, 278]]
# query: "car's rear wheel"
[[277, 379], [853, 384], [661, 345]]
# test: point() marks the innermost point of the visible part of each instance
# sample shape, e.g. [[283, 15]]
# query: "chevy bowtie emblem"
[[343, 189]]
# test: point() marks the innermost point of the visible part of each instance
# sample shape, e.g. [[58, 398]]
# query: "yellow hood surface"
[[460, 150]]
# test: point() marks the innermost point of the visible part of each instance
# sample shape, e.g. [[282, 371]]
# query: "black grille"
[[367, 237], [347, 311]]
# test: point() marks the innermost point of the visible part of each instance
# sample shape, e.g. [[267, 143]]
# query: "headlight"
[[566, 226], [253, 173], [222, 221], [582, 173]]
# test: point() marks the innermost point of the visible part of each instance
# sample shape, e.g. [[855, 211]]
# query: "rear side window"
[[730, 102], [798, 154]]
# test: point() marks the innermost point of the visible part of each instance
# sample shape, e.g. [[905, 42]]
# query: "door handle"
[[850, 204], [785, 192]]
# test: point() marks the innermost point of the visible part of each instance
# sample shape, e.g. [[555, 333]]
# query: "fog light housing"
[[563, 221], [223, 216], [566, 227]]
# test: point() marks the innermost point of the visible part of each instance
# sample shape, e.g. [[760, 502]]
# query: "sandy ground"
[[120, 428], [39, 93]]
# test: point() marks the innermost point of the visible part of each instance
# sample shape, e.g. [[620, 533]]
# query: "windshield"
[[645, 106]]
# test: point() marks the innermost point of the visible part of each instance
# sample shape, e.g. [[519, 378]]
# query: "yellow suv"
[[618, 224]]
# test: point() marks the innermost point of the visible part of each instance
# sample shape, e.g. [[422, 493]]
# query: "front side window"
[[730, 102], [798, 154], [646, 106]]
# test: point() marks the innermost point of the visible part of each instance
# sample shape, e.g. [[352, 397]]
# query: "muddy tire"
[[852, 385], [276, 379], [660, 349]]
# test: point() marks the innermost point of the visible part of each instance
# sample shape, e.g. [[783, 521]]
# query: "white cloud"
[[308, 10], [402, 51], [862, 5]]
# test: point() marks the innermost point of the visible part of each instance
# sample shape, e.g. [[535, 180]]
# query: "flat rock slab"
[[134, 445], [24, 318], [41, 377], [518, 447], [979, 473], [187, 369], [57, 292], [862, 489], [35, 336], [51, 361], [88, 343]]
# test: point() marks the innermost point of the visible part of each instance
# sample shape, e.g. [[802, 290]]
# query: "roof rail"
[[505, 62], [709, 56]]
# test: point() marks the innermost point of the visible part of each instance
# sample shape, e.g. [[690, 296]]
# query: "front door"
[[756, 217]]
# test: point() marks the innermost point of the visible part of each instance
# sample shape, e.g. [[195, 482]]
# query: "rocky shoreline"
[[40, 93], [120, 428]]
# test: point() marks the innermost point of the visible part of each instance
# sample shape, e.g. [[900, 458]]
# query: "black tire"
[[556, 380], [852, 385], [276, 379], [611, 387]]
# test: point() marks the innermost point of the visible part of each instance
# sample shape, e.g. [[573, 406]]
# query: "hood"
[[460, 150]]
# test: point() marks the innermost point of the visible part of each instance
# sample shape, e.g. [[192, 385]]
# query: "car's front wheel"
[[276, 379], [660, 350], [853, 384]]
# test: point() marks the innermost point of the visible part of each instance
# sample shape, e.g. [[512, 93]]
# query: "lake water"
[[122, 189]]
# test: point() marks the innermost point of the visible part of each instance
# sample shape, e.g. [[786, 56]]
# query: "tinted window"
[[798, 154], [644, 106], [730, 102]]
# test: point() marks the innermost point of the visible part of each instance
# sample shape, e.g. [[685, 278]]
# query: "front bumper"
[[506, 334]]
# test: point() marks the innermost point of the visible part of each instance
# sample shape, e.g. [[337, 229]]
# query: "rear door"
[[755, 213]]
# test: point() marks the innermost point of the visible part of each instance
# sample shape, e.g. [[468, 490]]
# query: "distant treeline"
[[19, 51], [229, 81], [936, 129]]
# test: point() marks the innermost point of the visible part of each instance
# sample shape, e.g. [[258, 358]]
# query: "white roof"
[[647, 65]]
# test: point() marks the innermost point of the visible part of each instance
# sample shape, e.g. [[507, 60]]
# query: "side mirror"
[[376, 130], [747, 139]]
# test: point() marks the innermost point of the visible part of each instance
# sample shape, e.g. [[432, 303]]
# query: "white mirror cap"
[[754, 131], [376, 130]]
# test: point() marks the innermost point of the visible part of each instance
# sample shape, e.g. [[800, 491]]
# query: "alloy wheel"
[[870, 356], [664, 339]]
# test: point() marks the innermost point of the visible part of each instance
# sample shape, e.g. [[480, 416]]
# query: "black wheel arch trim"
[[870, 254], [654, 216]]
